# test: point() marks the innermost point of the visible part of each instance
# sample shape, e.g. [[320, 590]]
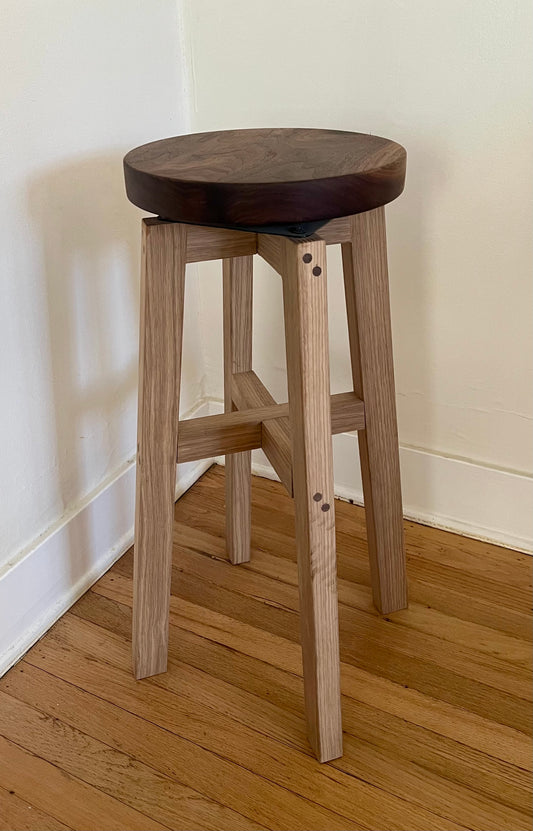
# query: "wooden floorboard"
[[20, 814], [436, 698]]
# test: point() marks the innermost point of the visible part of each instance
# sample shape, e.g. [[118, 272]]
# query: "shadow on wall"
[[90, 265], [409, 223], [408, 220]]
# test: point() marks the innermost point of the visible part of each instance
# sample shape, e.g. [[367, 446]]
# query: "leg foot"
[[367, 302], [306, 330], [162, 290]]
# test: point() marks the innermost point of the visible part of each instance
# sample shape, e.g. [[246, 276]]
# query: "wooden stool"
[[283, 194]]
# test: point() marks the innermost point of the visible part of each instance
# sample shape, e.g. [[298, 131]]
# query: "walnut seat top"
[[264, 176]]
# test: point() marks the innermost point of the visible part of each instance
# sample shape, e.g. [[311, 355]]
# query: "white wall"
[[81, 83], [452, 82]]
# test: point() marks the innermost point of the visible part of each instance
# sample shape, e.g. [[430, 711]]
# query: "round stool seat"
[[264, 177]]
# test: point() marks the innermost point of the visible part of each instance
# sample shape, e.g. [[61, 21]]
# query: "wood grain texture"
[[219, 741], [199, 438], [367, 302], [209, 243], [215, 435], [392, 768], [19, 814], [306, 335], [249, 392], [162, 296], [347, 413], [336, 230], [270, 248], [264, 176], [218, 244], [238, 319], [111, 771], [70, 799]]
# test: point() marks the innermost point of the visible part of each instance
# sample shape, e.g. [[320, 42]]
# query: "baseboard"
[[474, 500], [44, 580], [471, 499]]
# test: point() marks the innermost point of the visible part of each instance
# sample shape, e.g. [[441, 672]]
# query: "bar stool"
[[284, 194]]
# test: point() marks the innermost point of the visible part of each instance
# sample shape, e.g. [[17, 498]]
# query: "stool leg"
[[367, 301], [237, 290], [162, 291], [306, 332]]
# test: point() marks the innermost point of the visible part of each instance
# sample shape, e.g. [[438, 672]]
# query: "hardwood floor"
[[436, 698]]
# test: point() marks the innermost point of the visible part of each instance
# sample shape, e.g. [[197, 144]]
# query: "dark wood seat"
[[264, 176]]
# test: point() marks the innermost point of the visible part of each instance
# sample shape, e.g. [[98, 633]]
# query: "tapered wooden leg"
[[162, 290], [238, 281], [306, 331], [367, 302]]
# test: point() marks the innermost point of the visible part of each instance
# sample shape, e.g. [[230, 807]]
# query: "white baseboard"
[[474, 500], [471, 499], [44, 580]]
